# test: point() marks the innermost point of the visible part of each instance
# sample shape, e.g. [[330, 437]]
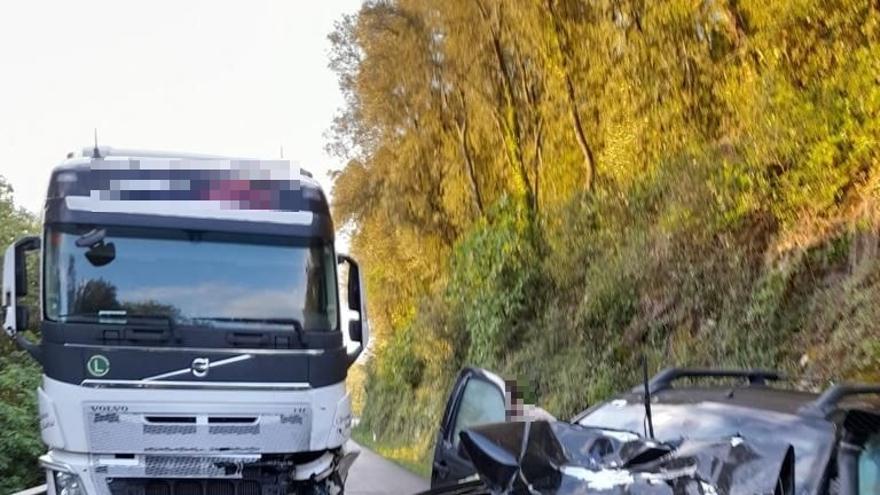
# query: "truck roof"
[[88, 154], [113, 186]]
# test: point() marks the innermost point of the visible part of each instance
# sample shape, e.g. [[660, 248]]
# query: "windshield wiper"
[[293, 322]]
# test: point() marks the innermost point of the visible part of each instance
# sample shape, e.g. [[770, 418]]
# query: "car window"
[[481, 403], [869, 467]]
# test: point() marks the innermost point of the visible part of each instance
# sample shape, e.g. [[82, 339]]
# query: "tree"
[[539, 184], [19, 376]]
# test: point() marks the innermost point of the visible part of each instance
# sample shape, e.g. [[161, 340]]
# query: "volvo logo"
[[200, 367]]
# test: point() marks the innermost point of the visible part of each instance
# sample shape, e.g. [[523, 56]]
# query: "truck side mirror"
[[15, 282], [358, 330], [355, 331], [22, 317], [354, 285]]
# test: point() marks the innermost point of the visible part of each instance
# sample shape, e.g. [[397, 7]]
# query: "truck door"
[[478, 397]]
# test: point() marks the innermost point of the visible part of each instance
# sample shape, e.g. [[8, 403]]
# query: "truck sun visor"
[[563, 459], [258, 190]]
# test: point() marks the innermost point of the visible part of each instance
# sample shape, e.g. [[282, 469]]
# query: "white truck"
[[190, 336]]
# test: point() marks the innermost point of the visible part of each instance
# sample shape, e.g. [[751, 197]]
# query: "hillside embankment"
[[555, 189]]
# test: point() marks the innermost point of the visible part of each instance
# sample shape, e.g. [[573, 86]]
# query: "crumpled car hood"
[[558, 458]]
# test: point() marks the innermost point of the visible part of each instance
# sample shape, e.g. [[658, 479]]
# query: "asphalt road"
[[371, 474]]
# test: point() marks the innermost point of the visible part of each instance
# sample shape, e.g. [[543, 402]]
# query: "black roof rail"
[[828, 401], [664, 379]]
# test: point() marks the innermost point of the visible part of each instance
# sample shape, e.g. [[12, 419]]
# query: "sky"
[[239, 78]]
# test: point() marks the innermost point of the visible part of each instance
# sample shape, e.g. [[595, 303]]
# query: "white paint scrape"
[[621, 436], [605, 479], [708, 489]]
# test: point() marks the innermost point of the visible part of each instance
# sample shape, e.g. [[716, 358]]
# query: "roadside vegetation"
[[552, 188], [19, 375]]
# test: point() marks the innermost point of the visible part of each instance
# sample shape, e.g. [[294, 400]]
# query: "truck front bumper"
[[70, 473]]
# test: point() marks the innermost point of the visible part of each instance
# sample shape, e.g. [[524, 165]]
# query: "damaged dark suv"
[[732, 434]]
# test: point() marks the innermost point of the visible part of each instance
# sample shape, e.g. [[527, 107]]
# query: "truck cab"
[[191, 327]]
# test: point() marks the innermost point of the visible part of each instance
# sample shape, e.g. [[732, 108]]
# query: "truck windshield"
[[195, 278], [812, 440]]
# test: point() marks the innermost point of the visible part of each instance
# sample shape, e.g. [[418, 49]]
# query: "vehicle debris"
[[742, 437], [558, 458]]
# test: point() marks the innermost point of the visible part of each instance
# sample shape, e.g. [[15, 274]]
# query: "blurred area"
[[552, 188]]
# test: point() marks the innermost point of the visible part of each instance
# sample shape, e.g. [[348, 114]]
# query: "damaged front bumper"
[[557, 458], [83, 474]]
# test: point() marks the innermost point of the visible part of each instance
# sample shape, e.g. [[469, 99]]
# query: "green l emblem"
[[98, 365]]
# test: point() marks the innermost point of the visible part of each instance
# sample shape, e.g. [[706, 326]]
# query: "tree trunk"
[[571, 96], [464, 144], [509, 119], [539, 163], [586, 150]]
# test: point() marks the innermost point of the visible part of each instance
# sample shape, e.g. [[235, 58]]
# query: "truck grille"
[[150, 486]]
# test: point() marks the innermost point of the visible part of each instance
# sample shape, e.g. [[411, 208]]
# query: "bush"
[[20, 443], [494, 274]]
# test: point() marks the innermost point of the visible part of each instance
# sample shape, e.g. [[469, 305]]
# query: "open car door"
[[478, 397]]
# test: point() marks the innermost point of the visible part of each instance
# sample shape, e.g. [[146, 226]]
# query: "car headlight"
[[68, 484]]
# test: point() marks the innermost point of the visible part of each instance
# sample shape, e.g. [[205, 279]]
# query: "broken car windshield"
[[708, 420]]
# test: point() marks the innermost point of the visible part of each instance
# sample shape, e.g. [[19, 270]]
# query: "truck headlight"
[[68, 484]]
